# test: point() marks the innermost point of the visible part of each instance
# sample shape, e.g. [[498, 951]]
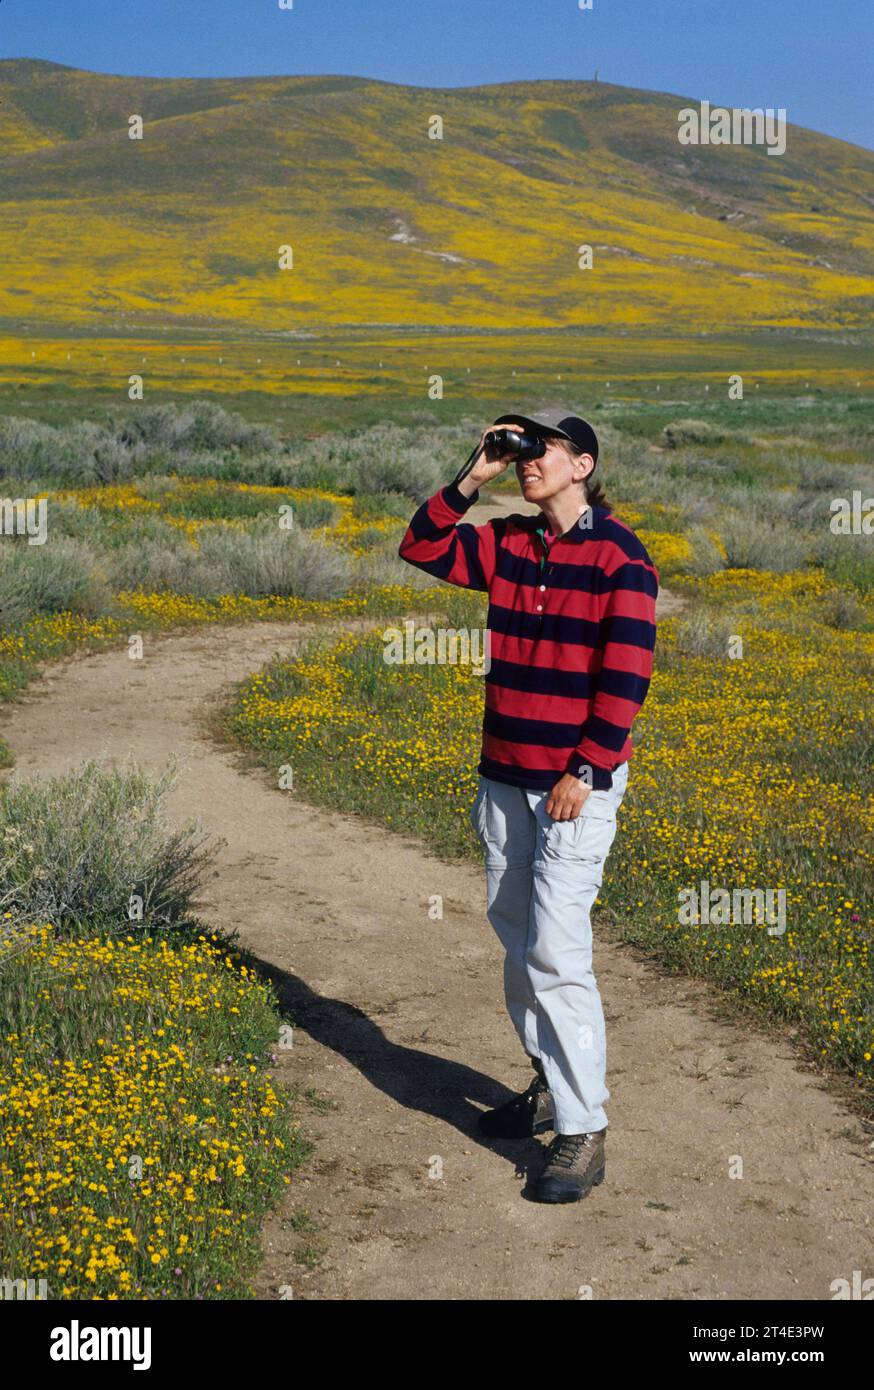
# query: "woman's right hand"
[[487, 466]]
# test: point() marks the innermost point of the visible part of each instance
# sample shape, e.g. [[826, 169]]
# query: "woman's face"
[[550, 474]]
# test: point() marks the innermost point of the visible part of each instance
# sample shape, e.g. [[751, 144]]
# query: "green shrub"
[[163, 563], [259, 562], [754, 544], [59, 576], [381, 564], [705, 633], [198, 438], [841, 609], [196, 425], [706, 556], [78, 850], [269, 561], [679, 433], [848, 560], [384, 458]]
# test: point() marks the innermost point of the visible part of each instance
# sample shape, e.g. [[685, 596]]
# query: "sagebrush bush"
[[635, 472], [195, 425], [198, 438], [705, 634], [706, 556], [841, 609], [848, 560], [384, 458], [28, 448], [681, 432], [257, 561], [751, 543], [269, 561], [812, 472], [163, 563], [60, 576], [80, 850], [382, 565]]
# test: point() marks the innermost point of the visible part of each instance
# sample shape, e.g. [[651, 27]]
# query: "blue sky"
[[813, 57]]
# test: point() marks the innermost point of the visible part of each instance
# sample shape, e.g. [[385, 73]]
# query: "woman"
[[572, 627]]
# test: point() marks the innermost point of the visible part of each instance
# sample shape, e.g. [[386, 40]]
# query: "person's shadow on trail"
[[415, 1079]]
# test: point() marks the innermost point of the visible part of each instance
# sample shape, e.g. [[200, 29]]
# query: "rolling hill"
[[101, 233]]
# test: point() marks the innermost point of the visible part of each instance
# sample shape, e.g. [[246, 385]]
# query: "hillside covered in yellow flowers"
[[481, 229]]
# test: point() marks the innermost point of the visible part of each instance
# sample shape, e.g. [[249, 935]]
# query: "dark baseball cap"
[[558, 422]]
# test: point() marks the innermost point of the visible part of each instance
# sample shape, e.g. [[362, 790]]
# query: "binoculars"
[[519, 444]]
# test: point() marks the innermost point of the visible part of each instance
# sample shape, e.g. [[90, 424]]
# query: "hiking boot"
[[523, 1116], [574, 1165]]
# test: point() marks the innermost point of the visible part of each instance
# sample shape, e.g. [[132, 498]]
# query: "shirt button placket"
[[542, 587]]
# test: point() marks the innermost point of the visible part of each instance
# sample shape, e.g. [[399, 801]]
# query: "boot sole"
[[562, 1193]]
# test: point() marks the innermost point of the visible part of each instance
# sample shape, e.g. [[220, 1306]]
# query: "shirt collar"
[[575, 534]]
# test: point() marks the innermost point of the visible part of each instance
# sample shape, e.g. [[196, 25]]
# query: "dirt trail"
[[401, 1030]]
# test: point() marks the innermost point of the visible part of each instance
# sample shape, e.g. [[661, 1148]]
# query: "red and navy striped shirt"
[[571, 629]]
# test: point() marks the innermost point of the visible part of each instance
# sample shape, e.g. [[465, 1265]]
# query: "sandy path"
[[401, 1028]]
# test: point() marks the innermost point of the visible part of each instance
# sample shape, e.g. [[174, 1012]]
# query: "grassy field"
[[331, 383]]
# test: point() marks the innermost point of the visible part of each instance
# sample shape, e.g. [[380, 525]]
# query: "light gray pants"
[[542, 878]]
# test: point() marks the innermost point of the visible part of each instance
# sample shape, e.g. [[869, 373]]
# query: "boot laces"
[[566, 1149]]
